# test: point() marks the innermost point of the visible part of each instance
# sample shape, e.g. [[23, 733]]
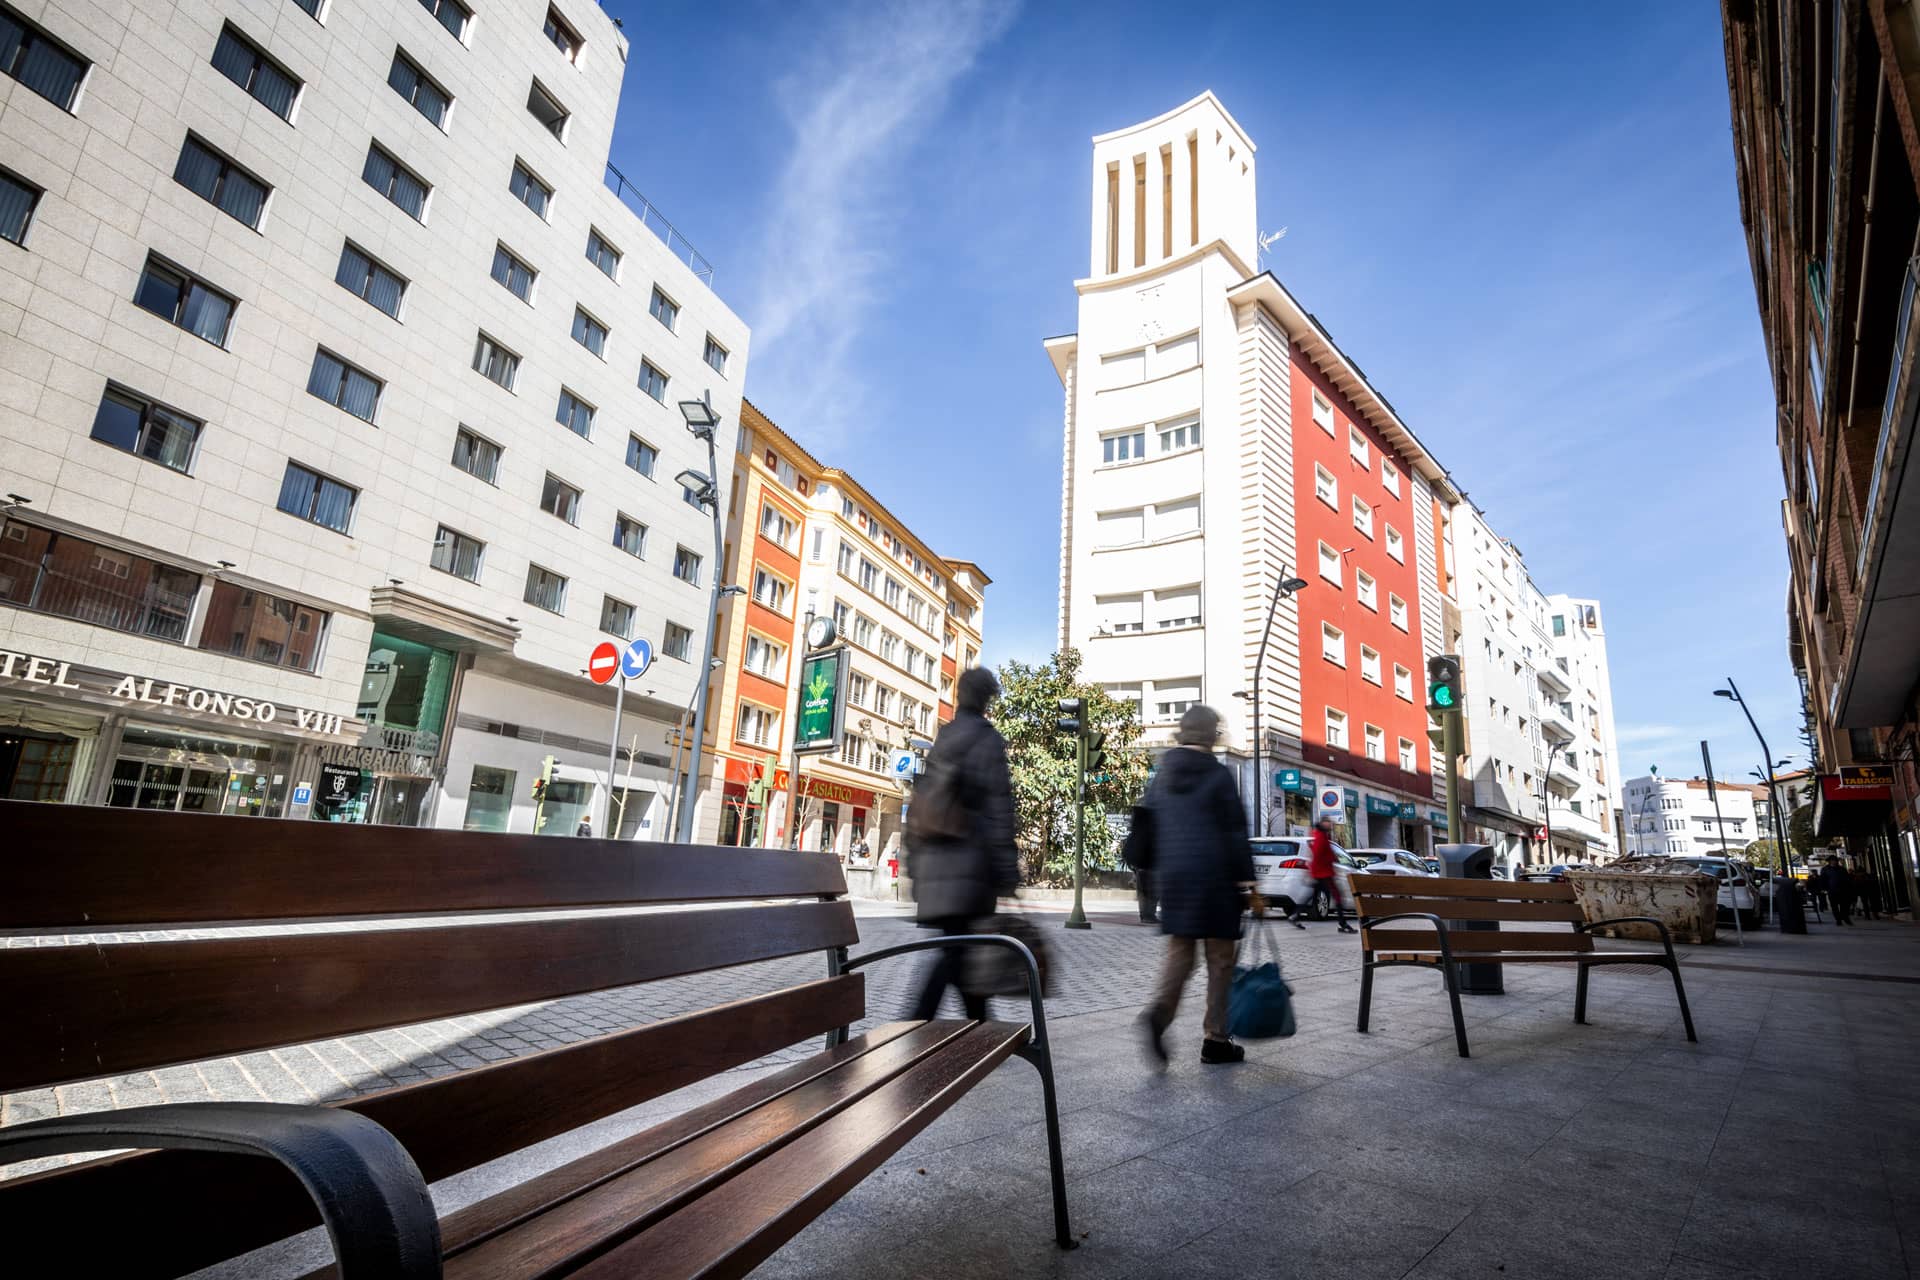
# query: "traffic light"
[[1096, 752], [548, 767], [1445, 691], [1070, 713]]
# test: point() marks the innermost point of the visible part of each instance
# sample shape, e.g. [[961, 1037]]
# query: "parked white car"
[[1392, 862], [1281, 875], [1736, 886]]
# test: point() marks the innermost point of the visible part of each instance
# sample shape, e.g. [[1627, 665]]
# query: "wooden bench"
[[712, 1192], [1398, 900]]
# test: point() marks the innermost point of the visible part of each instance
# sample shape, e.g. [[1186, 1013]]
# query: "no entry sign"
[[604, 665]]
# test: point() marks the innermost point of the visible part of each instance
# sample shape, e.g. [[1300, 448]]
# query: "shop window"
[[489, 799], [405, 690], [98, 585], [244, 623]]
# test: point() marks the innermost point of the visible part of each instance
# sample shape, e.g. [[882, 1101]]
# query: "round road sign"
[[605, 662], [635, 660]]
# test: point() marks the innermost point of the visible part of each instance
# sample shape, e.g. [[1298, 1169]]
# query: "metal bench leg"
[[1042, 1059], [1453, 997], [1686, 1015], [1580, 994], [1366, 994]]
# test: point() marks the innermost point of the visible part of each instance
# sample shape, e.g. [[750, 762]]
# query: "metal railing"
[[1888, 408], [655, 221]]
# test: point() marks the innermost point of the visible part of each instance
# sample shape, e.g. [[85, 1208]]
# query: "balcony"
[[657, 223], [1554, 678], [1557, 723], [1568, 823], [1563, 776]]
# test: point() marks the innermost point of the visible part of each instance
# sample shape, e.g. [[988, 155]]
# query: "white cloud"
[[863, 95]]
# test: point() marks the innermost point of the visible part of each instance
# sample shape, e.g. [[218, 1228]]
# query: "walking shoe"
[[1151, 1038], [1220, 1052], [1299, 924], [1347, 928]]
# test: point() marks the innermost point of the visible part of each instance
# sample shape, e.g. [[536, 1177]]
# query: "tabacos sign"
[[145, 691]]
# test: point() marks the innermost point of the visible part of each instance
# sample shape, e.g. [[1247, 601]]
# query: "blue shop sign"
[[1287, 780], [1385, 808]]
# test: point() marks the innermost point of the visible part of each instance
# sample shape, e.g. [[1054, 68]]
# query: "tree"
[[1800, 831], [1042, 761]]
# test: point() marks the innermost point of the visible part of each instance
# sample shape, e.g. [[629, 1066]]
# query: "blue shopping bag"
[[1260, 1006]]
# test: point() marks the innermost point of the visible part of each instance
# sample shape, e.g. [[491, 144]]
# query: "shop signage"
[[837, 792], [1437, 818], [1353, 798], [1409, 814], [1308, 782], [378, 760], [145, 691], [339, 787], [303, 794], [1287, 780], [1385, 808], [1865, 775], [820, 683]]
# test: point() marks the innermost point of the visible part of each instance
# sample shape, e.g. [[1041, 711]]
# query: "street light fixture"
[[1786, 904], [704, 424], [1286, 586], [1546, 797]]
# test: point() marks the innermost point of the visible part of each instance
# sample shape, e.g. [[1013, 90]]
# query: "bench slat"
[[736, 1227], [1531, 957], [1473, 909], [177, 1211], [569, 1232], [1419, 887], [1395, 938], [76, 1013], [96, 867]]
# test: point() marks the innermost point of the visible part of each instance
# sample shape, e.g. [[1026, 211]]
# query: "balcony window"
[[99, 585], [146, 429], [1357, 446], [1362, 517], [765, 658], [313, 497], [1333, 644], [1389, 477], [1123, 446], [1376, 743], [1325, 487], [1409, 760], [1397, 611], [1369, 664], [773, 592], [1336, 729], [1330, 564], [1395, 546], [1178, 437], [1322, 413], [245, 623], [184, 300], [1365, 590], [1402, 683]]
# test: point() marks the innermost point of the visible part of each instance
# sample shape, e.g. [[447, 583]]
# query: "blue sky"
[[1519, 219]]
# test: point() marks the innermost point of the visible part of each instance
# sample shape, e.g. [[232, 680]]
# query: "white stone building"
[[1576, 715], [339, 392], [1676, 816]]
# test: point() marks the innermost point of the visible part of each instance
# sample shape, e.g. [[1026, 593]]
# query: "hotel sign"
[[34, 671]]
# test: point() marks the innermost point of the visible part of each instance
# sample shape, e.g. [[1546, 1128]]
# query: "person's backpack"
[[1139, 848], [939, 809]]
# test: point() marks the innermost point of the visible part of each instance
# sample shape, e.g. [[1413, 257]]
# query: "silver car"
[[1393, 862], [1281, 875]]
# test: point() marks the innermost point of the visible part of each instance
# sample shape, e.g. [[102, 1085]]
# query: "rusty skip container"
[[1683, 899]]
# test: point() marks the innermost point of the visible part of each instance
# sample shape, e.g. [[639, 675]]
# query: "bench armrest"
[[969, 940], [1666, 937], [370, 1194]]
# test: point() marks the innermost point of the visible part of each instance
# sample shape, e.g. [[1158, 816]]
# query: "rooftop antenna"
[[1266, 241]]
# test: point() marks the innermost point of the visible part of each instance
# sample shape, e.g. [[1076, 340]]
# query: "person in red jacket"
[[1320, 867]]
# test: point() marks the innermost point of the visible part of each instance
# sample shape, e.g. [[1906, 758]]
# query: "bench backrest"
[[1509, 903], [79, 1012]]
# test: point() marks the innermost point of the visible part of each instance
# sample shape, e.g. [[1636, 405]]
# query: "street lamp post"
[[1791, 919], [1546, 798], [704, 423], [1283, 588]]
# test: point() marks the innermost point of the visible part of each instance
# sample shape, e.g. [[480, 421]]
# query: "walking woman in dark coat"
[[1202, 865], [957, 879]]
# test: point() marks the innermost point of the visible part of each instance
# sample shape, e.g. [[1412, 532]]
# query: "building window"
[[494, 362], [1357, 446], [1365, 590], [363, 277], [36, 60], [1176, 607], [221, 182], [664, 309], [405, 189], [1180, 436], [1325, 487], [758, 725], [677, 642], [312, 496], [17, 200], [617, 617], [476, 455], [1172, 698], [1119, 528], [1395, 547], [869, 576], [546, 108], [716, 356], [103, 587], [889, 647], [1559, 624], [652, 381], [773, 592], [457, 554], [1397, 611], [629, 535], [184, 300], [1369, 664], [819, 545], [1333, 644], [686, 565], [564, 37], [890, 592], [863, 630], [1402, 683], [1330, 564], [529, 190], [545, 590], [589, 333], [603, 255], [244, 623], [422, 94], [641, 456], [1389, 478], [765, 658], [1336, 729], [1409, 761], [575, 415], [558, 498], [145, 429], [843, 558], [343, 385], [777, 527], [515, 276], [1123, 446], [1322, 413], [452, 15], [1376, 742], [264, 80], [1363, 517]]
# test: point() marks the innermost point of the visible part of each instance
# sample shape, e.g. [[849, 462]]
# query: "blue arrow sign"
[[637, 657]]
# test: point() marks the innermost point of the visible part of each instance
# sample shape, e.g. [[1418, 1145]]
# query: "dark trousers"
[[1842, 908], [1329, 890], [944, 972]]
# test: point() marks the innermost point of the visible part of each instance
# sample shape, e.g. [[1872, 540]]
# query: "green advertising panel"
[[820, 684]]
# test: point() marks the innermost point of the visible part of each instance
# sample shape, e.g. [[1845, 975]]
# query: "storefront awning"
[[1857, 801]]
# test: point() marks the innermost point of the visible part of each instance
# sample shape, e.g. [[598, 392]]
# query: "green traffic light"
[[1442, 696]]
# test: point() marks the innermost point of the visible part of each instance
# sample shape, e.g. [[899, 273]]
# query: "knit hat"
[[1199, 727]]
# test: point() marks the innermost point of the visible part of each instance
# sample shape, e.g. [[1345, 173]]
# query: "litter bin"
[[1472, 862]]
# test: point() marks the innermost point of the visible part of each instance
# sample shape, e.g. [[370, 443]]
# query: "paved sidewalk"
[[1783, 1144]]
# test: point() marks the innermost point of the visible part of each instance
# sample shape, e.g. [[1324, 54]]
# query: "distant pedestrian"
[[1202, 867], [1867, 885], [1839, 892], [1325, 887], [585, 828], [961, 853], [1816, 892]]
